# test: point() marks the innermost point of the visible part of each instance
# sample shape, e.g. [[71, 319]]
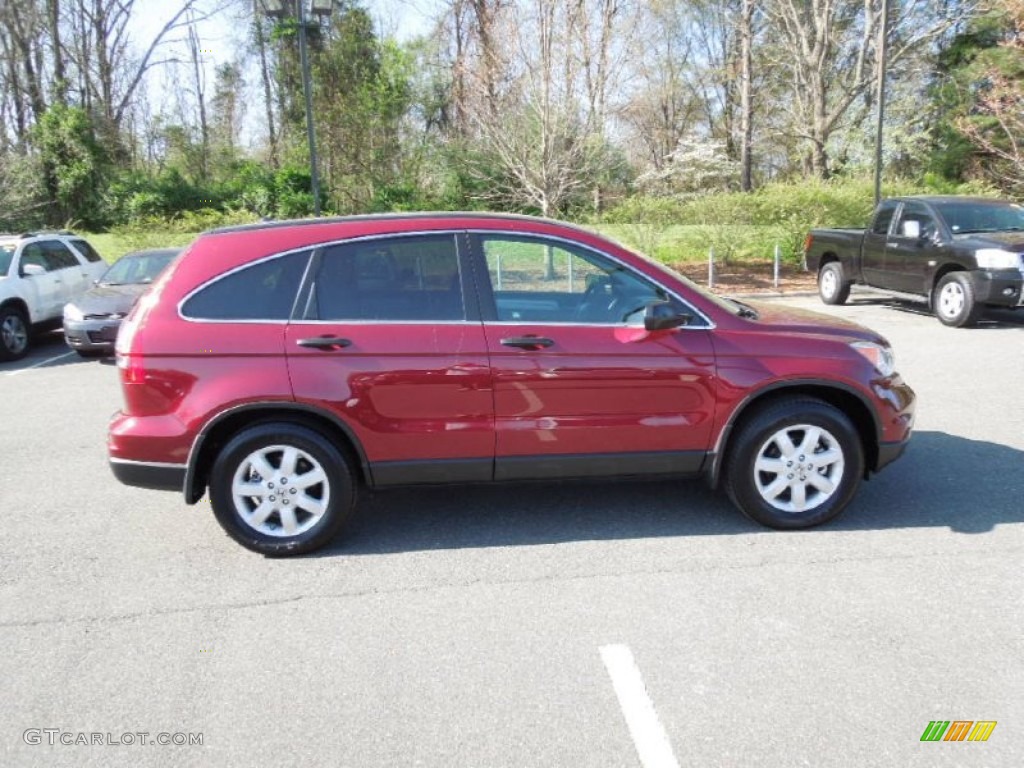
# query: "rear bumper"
[[157, 477], [998, 287]]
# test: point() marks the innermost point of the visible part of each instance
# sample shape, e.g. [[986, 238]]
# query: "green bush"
[[749, 225]]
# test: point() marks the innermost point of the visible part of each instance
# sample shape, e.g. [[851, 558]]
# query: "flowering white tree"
[[697, 165]]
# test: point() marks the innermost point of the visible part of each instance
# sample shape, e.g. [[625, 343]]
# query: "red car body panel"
[[430, 393], [409, 392], [591, 392]]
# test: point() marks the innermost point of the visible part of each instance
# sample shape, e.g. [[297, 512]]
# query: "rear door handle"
[[324, 342], [527, 342]]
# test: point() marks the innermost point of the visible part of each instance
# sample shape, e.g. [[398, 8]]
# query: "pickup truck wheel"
[[13, 334], [954, 301], [794, 464], [281, 489], [832, 286]]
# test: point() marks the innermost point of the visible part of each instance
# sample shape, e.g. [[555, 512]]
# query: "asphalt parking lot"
[[488, 626]]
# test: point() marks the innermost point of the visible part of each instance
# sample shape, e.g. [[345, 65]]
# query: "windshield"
[[137, 268], [964, 218], [6, 254]]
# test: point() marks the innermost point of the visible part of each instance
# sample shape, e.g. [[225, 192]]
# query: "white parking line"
[[650, 739], [38, 365]]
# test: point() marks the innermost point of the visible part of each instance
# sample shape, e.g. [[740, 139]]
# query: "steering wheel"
[[596, 302]]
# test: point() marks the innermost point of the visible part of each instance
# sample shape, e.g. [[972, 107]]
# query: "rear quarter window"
[[263, 291], [86, 250]]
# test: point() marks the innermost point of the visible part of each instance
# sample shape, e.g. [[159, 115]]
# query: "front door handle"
[[527, 342], [324, 342]]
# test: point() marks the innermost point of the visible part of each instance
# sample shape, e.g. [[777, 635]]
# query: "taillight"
[[808, 242], [141, 396], [133, 369]]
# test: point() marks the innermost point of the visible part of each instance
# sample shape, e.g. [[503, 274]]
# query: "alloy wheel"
[[280, 490], [799, 468]]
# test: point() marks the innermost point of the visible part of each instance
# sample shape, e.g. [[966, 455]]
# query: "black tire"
[[754, 440], [833, 287], [338, 488], [15, 334], [954, 302]]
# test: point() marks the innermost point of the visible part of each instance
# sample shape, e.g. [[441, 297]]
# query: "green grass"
[[113, 245], [678, 243]]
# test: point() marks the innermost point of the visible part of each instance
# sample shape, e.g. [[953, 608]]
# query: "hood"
[[1008, 241], [108, 299], [777, 317]]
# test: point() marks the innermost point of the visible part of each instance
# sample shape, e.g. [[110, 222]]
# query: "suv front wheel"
[[281, 489], [14, 334], [794, 464]]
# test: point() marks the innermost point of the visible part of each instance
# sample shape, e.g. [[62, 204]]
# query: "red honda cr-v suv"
[[281, 366]]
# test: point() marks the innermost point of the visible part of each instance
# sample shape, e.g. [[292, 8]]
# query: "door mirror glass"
[[911, 228]]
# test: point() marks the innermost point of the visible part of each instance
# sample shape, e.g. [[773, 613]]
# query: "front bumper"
[[889, 452], [998, 287], [91, 335]]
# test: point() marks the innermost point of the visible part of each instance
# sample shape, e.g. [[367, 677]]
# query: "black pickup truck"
[[959, 254]]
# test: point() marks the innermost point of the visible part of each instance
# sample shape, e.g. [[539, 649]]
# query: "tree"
[[828, 50], [986, 95], [543, 129], [68, 145]]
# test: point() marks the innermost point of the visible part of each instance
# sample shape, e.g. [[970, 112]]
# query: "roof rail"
[[41, 232]]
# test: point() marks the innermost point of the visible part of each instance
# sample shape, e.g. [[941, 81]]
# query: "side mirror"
[[662, 316], [31, 270]]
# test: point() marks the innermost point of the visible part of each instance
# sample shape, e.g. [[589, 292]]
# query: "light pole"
[[279, 9]]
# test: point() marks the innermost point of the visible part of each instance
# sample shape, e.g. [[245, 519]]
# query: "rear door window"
[[263, 291], [401, 279]]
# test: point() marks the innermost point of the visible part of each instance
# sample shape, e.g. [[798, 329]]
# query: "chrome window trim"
[[232, 271], [312, 248], [710, 324]]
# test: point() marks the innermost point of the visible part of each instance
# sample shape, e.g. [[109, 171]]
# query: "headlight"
[[881, 357], [997, 258], [73, 313]]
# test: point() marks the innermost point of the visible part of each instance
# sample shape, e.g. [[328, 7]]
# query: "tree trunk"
[[746, 88], [268, 96]]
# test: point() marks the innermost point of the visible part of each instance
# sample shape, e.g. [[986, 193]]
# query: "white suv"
[[39, 273]]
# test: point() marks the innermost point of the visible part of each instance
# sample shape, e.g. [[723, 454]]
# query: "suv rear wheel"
[[281, 489], [794, 464]]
